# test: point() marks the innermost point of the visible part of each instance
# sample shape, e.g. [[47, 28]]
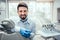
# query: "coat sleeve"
[[33, 29]]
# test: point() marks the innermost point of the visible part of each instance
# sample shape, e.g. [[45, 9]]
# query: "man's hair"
[[22, 5]]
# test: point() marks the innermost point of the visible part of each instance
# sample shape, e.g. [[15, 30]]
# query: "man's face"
[[22, 12]]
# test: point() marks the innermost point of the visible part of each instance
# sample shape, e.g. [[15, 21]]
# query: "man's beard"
[[23, 16]]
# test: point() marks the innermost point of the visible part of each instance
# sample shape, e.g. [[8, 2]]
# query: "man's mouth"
[[23, 17]]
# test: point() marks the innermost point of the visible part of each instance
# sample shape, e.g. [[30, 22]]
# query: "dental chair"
[[5, 30]]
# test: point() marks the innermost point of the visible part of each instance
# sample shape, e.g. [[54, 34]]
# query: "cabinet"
[[58, 14]]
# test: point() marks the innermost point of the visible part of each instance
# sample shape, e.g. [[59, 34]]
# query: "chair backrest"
[[13, 36], [1, 33], [0, 36]]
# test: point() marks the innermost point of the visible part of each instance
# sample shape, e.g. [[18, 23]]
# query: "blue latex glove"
[[25, 33]]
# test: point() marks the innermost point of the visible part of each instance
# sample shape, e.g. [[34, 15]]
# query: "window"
[[40, 12]]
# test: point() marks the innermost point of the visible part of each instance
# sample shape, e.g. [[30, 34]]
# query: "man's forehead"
[[22, 8]]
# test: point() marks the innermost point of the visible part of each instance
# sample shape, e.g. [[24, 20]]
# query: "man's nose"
[[22, 12]]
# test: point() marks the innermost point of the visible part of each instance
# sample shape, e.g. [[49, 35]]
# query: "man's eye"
[[20, 11], [24, 10]]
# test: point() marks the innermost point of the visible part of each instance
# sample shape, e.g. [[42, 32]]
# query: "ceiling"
[[30, 0]]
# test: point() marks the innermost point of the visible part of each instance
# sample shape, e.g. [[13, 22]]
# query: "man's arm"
[[33, 29]]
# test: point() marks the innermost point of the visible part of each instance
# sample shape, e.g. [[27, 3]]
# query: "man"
[[23, 25]]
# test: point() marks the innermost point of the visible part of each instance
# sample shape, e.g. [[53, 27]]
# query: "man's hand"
[[26, 33]]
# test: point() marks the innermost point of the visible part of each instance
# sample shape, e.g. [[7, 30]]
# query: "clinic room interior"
[[44, 13]]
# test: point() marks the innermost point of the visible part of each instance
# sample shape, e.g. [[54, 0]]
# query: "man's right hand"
[[25, 33]]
